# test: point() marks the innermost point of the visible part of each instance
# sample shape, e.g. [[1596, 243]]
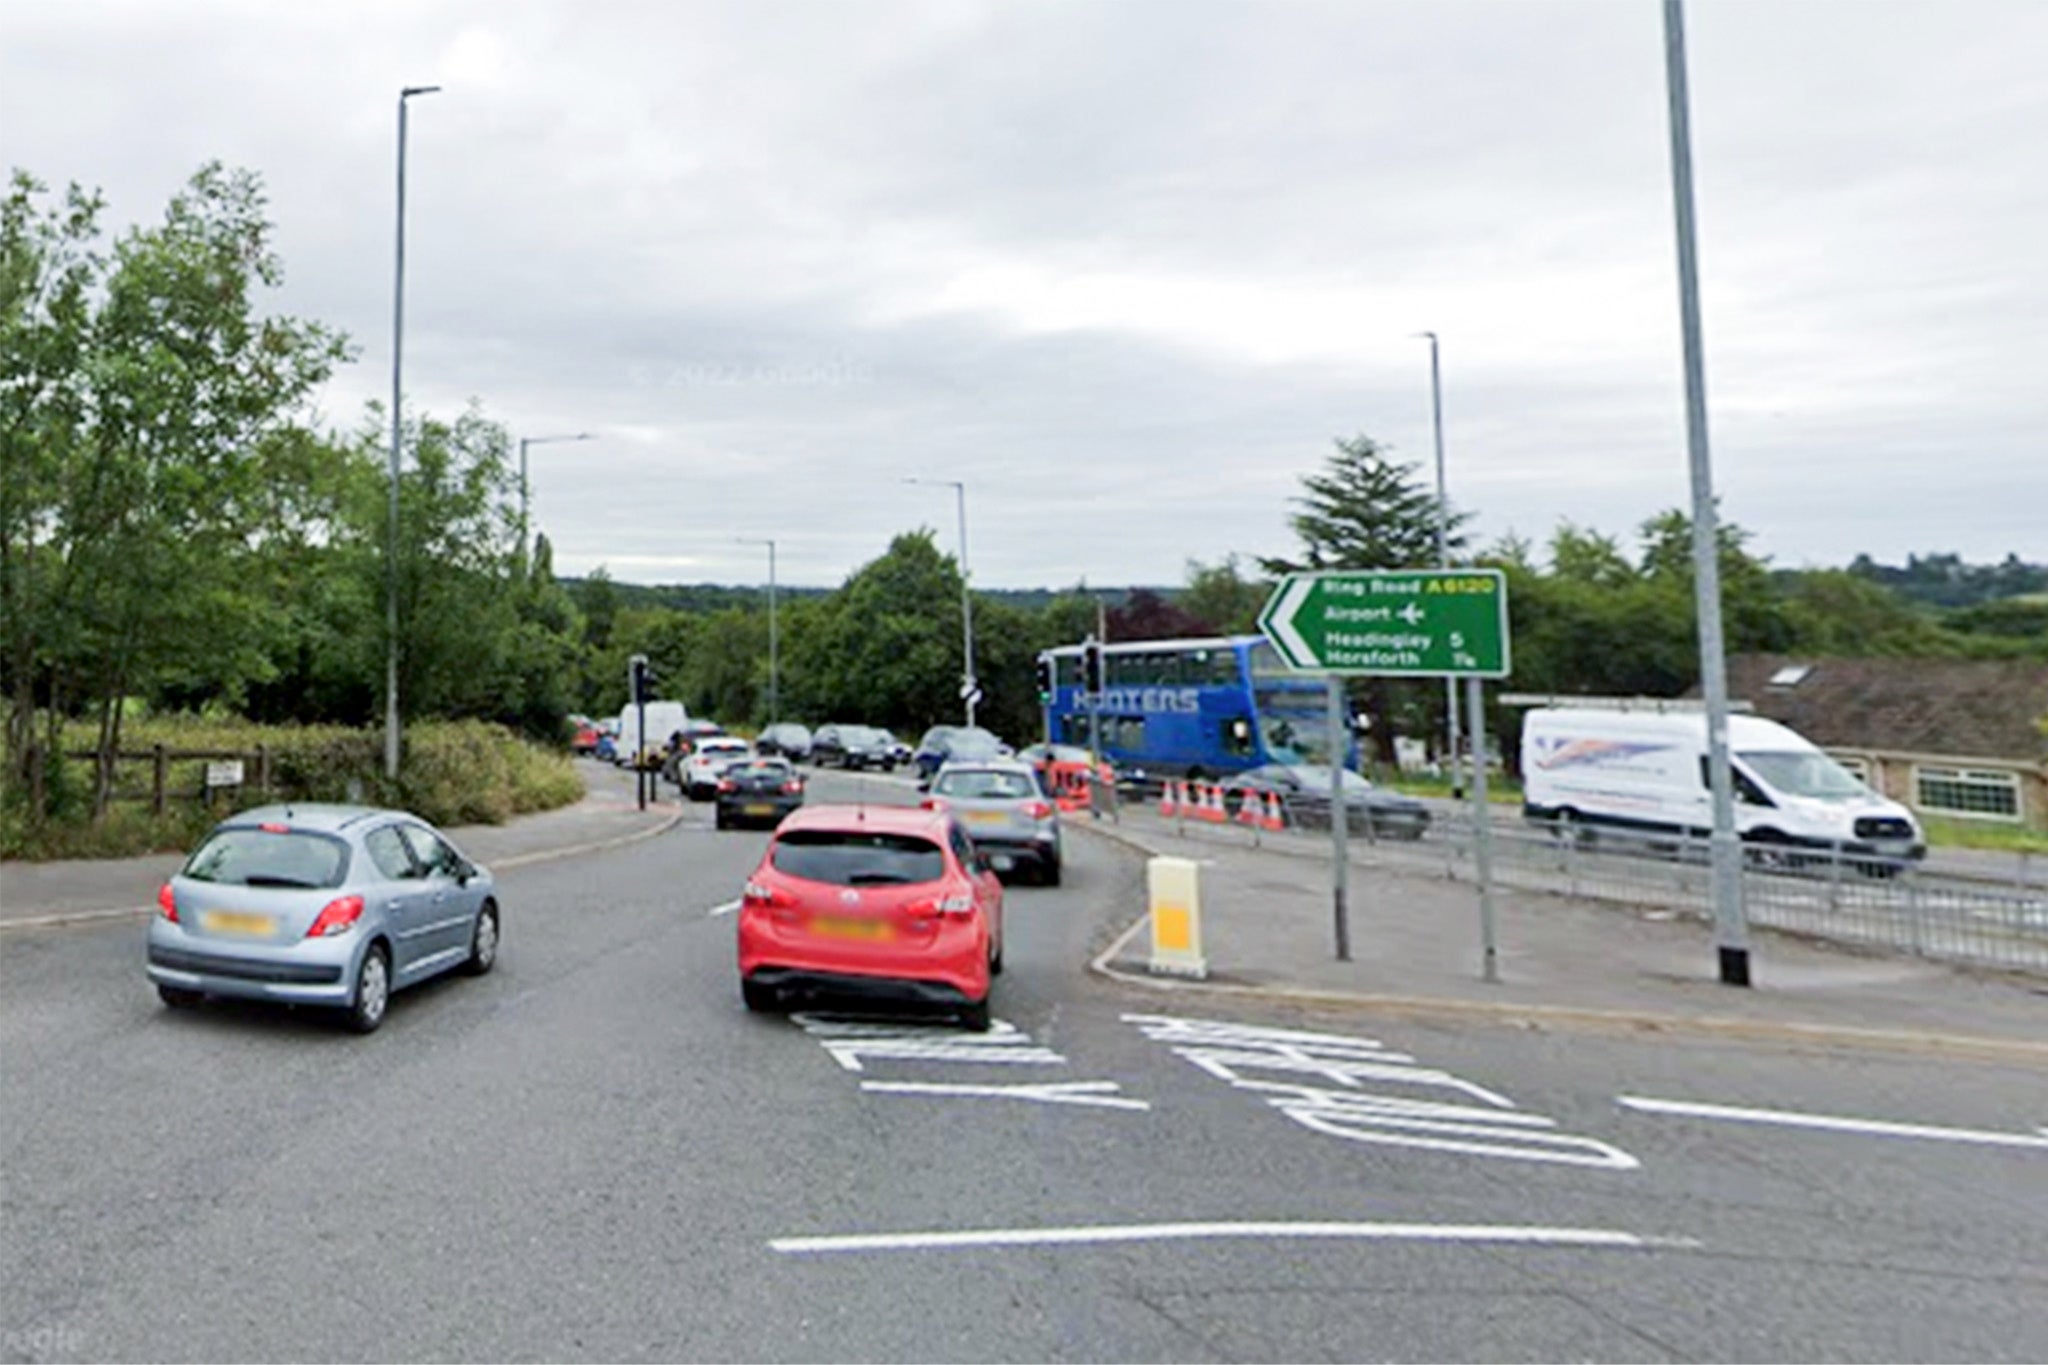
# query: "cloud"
[[1128, 273]]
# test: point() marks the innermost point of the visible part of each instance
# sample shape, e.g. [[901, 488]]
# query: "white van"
[[664, 718], [1646, 771]]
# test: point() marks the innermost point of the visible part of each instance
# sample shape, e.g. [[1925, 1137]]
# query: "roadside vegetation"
[[457, 773], [182, 532]]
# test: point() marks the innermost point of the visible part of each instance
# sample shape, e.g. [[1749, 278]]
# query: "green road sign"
[[1417, 623]]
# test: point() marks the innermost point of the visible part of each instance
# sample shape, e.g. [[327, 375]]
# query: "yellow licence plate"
[[237, 922], [871, 930], [987, 817], [757, 810]]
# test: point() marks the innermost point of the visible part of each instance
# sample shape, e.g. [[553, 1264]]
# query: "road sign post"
[[1398, 623]]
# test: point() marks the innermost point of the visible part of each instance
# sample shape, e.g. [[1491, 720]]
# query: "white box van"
[[664, 718], [1646, 771]]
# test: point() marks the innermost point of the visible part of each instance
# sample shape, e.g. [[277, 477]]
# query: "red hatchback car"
[[872, 902]]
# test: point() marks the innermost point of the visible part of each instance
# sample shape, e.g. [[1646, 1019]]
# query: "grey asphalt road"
[[596, 1153]]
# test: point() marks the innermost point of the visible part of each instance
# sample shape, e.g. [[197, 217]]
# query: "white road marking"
[[726, 909], [1832, 1123], [1275, 1062], [1171, 1232], [1098, 1094], [854, 1043]]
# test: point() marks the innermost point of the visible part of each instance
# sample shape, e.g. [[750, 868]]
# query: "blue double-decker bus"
[[1193, 708]]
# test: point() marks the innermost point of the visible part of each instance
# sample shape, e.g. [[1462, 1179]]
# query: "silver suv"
[[1005, 812]]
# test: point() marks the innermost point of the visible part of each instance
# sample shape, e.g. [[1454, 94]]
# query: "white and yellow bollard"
[[1174, 892]]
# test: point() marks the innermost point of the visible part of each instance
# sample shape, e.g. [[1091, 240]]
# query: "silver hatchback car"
[[1006, 812], [321, 905]]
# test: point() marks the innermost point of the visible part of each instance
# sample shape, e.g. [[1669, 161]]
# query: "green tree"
[[142, 504], [1365, 511], [1221, 596]]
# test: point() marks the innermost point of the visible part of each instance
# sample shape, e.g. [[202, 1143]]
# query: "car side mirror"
[[924, 784]]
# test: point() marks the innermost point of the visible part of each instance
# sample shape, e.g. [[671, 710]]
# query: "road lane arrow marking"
[[1099, 1094], [1831, 1123]]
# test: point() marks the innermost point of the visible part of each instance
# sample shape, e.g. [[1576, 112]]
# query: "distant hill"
[[703, 597], [1946, 581]]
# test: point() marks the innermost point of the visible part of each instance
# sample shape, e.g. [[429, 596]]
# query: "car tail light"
[[167, 902], [792, 787], [339, 916], [273, 827], [1039, 810], [768, 897], [727, 785], [958, 903]]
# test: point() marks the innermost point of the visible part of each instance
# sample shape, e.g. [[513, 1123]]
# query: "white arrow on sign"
[[1292, 598]]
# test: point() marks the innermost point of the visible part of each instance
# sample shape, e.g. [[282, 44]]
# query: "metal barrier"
[[1820, 893]]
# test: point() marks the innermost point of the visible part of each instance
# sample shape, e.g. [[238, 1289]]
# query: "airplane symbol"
[[1412, 614]]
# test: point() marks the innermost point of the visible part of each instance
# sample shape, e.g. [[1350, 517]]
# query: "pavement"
[[1268, 928], [41, 894]]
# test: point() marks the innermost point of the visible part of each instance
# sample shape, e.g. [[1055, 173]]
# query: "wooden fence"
[[182, 774]]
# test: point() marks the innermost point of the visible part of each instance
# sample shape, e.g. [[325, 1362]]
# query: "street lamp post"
[[774, 649], [1443, 537], [1731, 931], [970, 689], [391, 727], [525, 496]]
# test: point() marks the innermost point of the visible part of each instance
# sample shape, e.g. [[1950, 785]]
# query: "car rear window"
[[858, 857], [255, 857], [974, 744], [985, 786]]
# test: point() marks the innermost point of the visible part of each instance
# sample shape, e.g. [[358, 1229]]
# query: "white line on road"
[[1831, 1123], [726, 909], [1099, 1094], [1173, 1232]]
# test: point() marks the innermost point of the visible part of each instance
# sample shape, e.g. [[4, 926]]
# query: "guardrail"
[[1820, 893]]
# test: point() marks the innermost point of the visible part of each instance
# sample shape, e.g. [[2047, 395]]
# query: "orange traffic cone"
[[1212, 805], [1248, 810], [1274, 819], [1169, 800]]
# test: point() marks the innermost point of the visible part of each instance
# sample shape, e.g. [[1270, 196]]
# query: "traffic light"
[[1091, 666], [1045, 678], [641, 680]]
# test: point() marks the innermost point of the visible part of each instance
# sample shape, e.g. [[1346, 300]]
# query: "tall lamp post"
[[1731, 932], [1443, 538], [391, 728], [525, 495], [970, 689], [774, 649]]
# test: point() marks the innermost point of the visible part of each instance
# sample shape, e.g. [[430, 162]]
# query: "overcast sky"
[[1128, 268]]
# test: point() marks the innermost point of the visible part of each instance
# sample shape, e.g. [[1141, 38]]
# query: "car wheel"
[[483, 941], [178, 997], [1049, 871], [975, 1018], [373, 991], [759, 998], [721, 820]]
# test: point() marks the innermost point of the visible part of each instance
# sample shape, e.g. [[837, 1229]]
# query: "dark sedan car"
[[1304, 792], [943, 744], [852, 746], [785, 739], [758, 792]]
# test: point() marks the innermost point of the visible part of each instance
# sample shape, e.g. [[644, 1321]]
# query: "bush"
[[452, 773]]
